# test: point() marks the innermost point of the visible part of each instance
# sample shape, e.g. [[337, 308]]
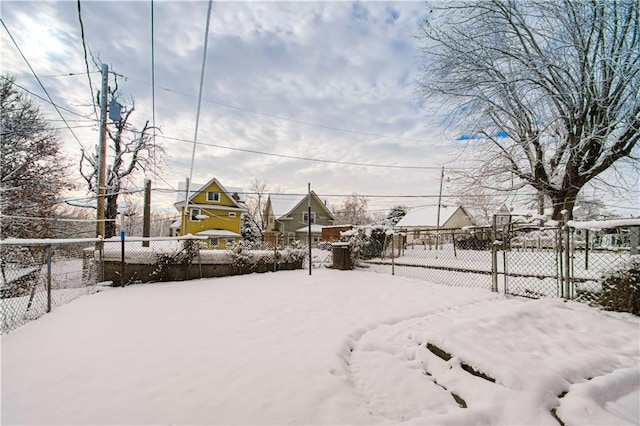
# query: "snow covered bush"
[[183, 256], [366, 242], [255, 255], [621, 288]]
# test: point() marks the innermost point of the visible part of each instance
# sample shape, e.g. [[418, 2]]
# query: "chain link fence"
[[515, 256], [36, 277], [39, 275], [455, 257], [596, 253]]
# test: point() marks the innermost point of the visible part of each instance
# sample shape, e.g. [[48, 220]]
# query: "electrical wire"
[[40, 82], [292, 120], [318, 160], [86, 61], [49, 101], [195, 136], [153, 92]]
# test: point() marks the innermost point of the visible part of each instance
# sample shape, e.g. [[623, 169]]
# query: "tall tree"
[[32, 166], [256, 199], [130, 151], [549, 90], [353, 210]]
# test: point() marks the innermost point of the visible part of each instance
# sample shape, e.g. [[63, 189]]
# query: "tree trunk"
[[110, 215], [564, 200]]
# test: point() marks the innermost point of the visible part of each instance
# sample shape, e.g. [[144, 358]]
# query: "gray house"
[[288, 218]]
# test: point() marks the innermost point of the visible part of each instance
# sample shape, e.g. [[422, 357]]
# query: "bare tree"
[[353, 210], [130, 151], [32, 167], [256, 199], [549, 91]]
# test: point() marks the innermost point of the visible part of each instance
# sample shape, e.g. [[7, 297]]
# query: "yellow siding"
[[217, 218]]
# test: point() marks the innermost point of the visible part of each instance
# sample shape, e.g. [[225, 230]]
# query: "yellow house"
[[212, 211]]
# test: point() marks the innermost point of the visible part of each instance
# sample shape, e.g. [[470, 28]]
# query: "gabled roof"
[[196, 188], [427, 216], [283, 204]]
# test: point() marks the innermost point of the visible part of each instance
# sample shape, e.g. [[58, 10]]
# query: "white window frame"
[[213, 196], [232, 214], [214, 241], [229, 242], [193, 216], [305, 217]]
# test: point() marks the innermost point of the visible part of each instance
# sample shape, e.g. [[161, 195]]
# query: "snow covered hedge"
[[621, 288], [367, 242]]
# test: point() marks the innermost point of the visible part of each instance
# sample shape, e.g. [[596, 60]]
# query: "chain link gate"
[[531, 259]]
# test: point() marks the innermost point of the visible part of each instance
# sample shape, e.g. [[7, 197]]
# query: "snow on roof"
[[284, 203], [194, 188], [426, 216], [315, 229], [603, 224], [219, 233]]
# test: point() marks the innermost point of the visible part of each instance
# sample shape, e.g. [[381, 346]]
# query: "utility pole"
[[102, 153], [146, 221], [309, 220], [439, 206]]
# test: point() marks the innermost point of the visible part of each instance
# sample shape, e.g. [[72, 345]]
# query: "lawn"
[[337, 347]]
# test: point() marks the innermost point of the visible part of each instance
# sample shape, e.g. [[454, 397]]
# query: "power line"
[[49, 101], [86, 62], [69, 74], [204, 62], [318, 160], [40, 82], [292, 120], [153, 90]]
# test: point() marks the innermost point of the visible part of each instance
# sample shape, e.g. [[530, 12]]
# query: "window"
[[317, 238], [213, 196], [232, 214], [194, 215], [305, 217], [230, 242], [213, 242], [416, 234]]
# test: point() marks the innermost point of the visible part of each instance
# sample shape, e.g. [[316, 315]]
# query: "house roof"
[[427, 216], [195, 188], [283, 204]]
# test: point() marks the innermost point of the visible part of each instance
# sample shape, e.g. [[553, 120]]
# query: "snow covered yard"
[[339, 347]]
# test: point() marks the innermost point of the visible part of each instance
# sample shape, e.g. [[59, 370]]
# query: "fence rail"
[[517, 257], [39, 275]]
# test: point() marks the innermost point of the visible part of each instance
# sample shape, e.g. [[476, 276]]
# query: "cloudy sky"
[[321, 80], [294, 92]]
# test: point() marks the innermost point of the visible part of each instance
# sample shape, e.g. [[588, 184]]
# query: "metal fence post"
[[275, 253], [393, 256], [494, 257], [122, 262], [567, 259], [47, 251]]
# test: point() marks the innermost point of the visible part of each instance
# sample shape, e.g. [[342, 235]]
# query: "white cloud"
[[339, 65]]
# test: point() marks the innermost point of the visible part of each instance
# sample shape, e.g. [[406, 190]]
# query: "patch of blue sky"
[[360, 12], [499, 134], [468, 137], [392, 16]]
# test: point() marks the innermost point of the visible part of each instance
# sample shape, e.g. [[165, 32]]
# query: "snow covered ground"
[[339, 347]]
